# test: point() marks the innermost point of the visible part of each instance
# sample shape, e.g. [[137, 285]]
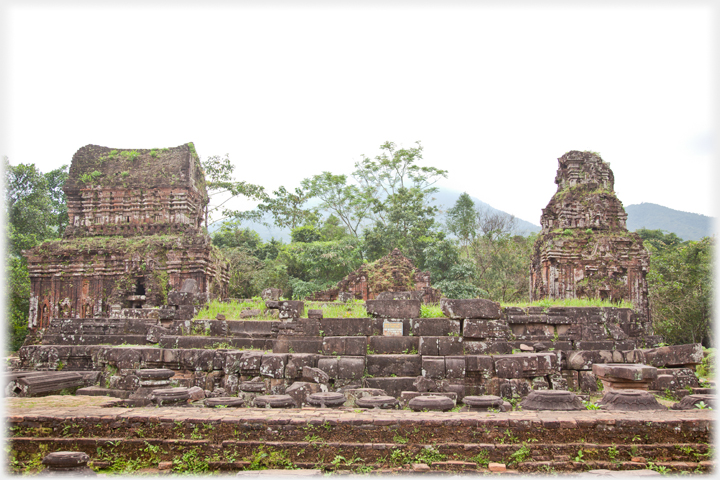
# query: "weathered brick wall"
[[134, 234], [585, 249]]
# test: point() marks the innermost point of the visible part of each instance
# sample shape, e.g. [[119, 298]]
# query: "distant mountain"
[[688, 226], [445, 198]]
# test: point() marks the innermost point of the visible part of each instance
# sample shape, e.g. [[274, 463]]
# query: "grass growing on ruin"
[[571, 302], [351, 309], [232, 309]]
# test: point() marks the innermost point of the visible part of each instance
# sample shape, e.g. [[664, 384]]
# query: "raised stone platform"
[[675, 439]]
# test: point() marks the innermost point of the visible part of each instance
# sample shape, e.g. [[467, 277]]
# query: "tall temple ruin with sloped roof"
[[134, 234], [585, 249]]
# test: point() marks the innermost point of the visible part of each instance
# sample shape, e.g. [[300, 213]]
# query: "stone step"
[[48, 382], [77, 339], [207, 342], [95, 391], [439, 456]]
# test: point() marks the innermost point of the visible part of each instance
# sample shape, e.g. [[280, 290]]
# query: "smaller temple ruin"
[[392, 273], [585, 249]]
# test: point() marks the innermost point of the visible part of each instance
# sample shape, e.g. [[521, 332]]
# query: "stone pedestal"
[[625, 376]]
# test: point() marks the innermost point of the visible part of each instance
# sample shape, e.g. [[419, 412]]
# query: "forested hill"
[[445, 198], [688, 226]]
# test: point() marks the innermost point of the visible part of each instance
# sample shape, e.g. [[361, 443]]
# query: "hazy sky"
[[495, 94]]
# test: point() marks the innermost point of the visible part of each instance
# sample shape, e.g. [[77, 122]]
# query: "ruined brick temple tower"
[[134, 234], [585, 249]]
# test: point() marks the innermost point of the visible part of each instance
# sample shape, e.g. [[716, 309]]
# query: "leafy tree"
[[659, 239], [331, 229], [409, 226], [348, 204], [36, 211], [449, 273], [321, 262], [306, 234], [222, 187], [462, 220], [680, 289], [502, 260], [288, 208]]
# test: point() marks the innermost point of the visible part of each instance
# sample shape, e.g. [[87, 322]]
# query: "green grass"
[[356, 308], [351, 309], [232, 309], [570, 302], [431, 310]]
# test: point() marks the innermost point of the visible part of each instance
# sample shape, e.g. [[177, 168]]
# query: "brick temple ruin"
[[585, 249], [391, 274], [134, 234], [342, 380]]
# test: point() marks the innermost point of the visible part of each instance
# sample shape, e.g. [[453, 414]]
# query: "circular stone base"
[[630, 401], [690, 402], [431, 402], [558, 400], [170, 396], [379, 401], [274, 401], [483, 401], [154, 373], [255, 387], [224, 402], [326, 399]]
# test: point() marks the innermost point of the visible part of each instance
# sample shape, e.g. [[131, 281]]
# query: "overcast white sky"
[[495, 94]]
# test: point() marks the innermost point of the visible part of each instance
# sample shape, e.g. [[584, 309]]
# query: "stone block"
[[393, 345], [297, 344], [272, 294], [584, 359], [329, 365], [536, 331], [343, 327], [587, 382], [664, 382], [479, 328], [399, 365], [674, 355], [572, 379], [315, 314], [470, 308], [632, 372], [297, 362], [250, 362], [558, 382], [435, 327], [487, 347], [508, 366], [344, 345], [393, 308], [540, 383], [601, 345], [455, 366], [441, 346], [316, 375], [483, 364], [291, 309], [299, 391], [273, 365], [433, 367], [425, 384], [393, 386], [351, 368]]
